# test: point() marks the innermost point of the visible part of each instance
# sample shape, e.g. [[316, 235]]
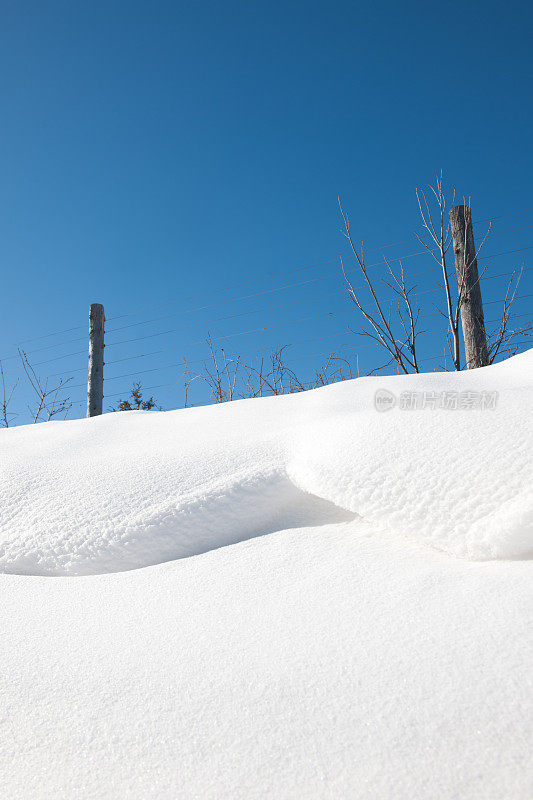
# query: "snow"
[[280, 598]]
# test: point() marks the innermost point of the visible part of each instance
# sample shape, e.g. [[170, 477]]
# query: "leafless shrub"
[[402, 349], [228, 377], [48, 402], [219, 373], [334, 370], [272, 376]]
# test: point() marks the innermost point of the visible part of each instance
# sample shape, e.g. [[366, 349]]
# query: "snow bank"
[[339, 656], [458, 479], [135, 489]]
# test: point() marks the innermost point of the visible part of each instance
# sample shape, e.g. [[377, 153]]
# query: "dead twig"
[[48, 402], [7, 394]]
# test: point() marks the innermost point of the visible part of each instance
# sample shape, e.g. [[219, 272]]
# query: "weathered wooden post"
[[95, 382], [468, 284]]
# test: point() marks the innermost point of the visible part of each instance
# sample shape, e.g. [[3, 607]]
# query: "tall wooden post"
[[468, 282], [95, 382]]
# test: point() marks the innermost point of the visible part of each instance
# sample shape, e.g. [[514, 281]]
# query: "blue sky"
[[151, 153]]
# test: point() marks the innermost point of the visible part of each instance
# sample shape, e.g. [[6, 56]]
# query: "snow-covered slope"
[[375, 644], [134, 489]]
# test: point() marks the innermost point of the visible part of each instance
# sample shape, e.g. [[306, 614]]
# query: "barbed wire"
[[297, 285], [226, 337], [232, 300], [287, 305], [501, 216], [246, 313], [204, 341], [281, 273]]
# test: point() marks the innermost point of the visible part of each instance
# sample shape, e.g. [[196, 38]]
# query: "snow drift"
[[335, 647], [135, 489]]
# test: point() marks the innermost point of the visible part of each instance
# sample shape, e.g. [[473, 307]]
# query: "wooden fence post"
[[468, 286], [95, 382]]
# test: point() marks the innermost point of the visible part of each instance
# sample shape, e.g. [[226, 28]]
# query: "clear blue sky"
[[154, 151]]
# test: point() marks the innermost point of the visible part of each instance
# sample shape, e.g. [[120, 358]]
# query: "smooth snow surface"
[[366, 635]]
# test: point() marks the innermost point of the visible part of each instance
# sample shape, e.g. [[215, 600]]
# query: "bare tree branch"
[[440, 237], [504, 336], [7, 394], [48, 403], [402, 352]]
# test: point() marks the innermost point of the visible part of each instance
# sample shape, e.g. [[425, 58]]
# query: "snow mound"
[[340, 656], [222, 514], [135, 489]]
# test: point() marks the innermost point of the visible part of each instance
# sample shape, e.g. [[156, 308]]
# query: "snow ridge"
[[135, 489]]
